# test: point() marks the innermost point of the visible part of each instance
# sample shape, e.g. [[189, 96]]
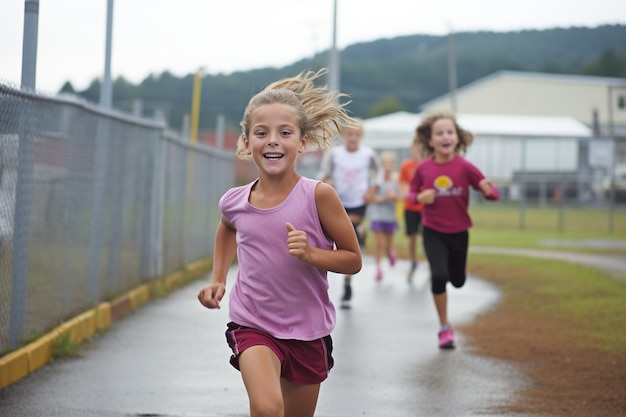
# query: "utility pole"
[[193, 129], [101, 163], [29, 49], [452, 77], [195, 105], [106, 92], [333, 75]]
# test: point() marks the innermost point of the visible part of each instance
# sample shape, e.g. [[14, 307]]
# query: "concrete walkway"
[[170, 358]]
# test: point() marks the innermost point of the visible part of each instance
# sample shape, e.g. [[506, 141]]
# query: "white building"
[[597, 102], [506, 147]]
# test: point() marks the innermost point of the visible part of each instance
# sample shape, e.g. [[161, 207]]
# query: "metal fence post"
[[611, 203], [522, 205], [99, 188], [152, 227], [562, 196], [116, 171], [21, 226], [156, 253], [23, 197]]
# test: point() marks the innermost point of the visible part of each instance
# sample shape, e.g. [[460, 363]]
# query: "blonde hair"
[[357, 124], [317, 109], [388, 156], [423, 132]]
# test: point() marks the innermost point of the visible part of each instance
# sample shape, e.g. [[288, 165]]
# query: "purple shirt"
[[451, 182], [274, 291]]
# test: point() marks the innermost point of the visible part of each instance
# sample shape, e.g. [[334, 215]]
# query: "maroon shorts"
[[302, 362]]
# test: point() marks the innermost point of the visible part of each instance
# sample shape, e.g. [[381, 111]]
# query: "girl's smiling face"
[[275, 138], [444, 139]]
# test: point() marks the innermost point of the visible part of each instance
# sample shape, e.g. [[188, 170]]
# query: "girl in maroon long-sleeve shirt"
[[442, 184]]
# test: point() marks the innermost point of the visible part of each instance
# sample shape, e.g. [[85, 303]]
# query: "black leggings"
[[447, 256]]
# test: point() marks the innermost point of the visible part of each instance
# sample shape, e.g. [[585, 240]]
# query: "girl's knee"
[[268, 406], [458, 281]]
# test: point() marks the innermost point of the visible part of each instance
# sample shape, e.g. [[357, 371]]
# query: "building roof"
[[396, 130], [534, 76]]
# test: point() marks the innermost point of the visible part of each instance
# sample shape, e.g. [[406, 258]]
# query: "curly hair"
[[423, 132], [318, 111]]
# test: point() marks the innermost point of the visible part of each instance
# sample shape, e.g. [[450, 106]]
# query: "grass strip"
[[590, 303]]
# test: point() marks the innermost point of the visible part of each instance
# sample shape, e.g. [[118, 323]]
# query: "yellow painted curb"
[[20, 363], [199, 267], [13, 367], [139, 296], [81, 327], [40, 351], [103, 316], [172, 281]]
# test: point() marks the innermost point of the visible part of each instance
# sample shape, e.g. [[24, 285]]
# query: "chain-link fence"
[[555, 173], [544, 175], [93, 203]]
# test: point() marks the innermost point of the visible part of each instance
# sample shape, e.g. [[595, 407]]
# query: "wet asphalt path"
[[169, 358], [613, 264]]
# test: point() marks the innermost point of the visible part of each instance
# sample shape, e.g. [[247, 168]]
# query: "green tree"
[[378, 75], [385, 106], [67, 88], [609, 64], [92, 93], [124, 94]]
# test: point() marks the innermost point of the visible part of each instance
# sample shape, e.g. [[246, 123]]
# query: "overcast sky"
[[151, 36]]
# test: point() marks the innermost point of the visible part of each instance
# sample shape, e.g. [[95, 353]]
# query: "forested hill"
[[388, 74]]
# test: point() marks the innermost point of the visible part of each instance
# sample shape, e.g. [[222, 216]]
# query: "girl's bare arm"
[[223, 255], [346, 258]]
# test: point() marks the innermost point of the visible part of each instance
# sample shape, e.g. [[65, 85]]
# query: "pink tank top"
[[274, 291]]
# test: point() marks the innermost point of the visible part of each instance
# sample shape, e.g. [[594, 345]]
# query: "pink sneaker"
[[446, 339], [379, 274], [393, 257]]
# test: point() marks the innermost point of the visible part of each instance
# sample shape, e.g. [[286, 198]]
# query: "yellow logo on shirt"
[[443, 183], [445, 186]]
